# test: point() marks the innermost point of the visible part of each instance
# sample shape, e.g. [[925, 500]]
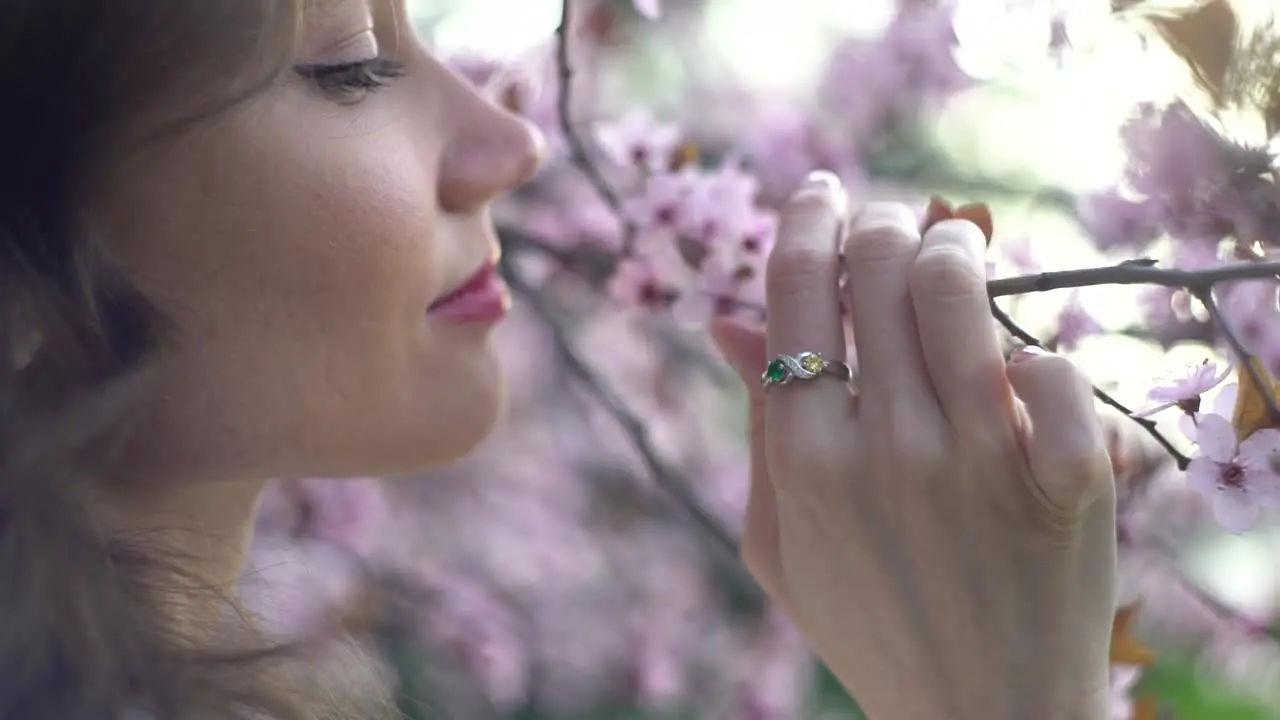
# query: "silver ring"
[[804, 366]]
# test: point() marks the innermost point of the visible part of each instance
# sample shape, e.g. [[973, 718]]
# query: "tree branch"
[[1133, 272], [666, 477], [578, 154], [1148, 425]]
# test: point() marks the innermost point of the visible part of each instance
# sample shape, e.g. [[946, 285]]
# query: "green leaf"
[[1192, 696]]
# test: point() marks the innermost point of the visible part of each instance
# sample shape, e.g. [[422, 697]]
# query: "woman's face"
[[305, 250]]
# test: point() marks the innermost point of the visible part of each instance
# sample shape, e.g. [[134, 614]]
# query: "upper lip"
[[476, 278]]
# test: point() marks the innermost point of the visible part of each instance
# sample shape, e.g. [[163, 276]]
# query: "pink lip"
[[482, 299]]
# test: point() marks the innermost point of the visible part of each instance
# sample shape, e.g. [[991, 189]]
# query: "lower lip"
[[486, 302]]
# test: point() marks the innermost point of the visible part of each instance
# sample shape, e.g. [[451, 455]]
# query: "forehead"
[[329, 13]]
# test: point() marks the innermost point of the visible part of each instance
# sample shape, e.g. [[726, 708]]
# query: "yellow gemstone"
[[813, 363]]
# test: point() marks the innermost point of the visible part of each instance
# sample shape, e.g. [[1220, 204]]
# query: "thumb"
[[742, 347], [1066, 448], [746, 350]]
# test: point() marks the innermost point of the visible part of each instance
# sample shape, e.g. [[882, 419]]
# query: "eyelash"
[[353, 78]]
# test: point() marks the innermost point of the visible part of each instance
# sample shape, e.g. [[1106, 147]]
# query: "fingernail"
[[827, 185], [1026, 352]]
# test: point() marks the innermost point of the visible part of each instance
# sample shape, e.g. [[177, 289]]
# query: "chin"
[[461, 416]]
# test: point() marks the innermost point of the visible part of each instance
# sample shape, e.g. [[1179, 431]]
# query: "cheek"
[[346, 232], [304, 236], [298, 278]]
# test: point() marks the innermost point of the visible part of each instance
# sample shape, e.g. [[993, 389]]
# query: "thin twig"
[[1133, 272], [594, 266], [578, 154], [1148, 425], [1167, 555], [1243, 356], [667, 478]]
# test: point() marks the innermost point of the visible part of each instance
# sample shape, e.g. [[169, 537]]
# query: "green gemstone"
[[776, 372]]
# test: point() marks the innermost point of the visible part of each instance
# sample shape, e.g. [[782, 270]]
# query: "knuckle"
[[879, 245], [799, 268], [804, 461], [912, 446], [1062, 368], [1072, 484], [1060, 371], [945, 273]]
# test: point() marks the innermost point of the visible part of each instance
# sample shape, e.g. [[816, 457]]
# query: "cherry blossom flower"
[[1183, 391], [1236, 477], [664, 199], [1075, 323], [639, 141], [639, 283], [1119, 223], [1223, 404], [720, 204]]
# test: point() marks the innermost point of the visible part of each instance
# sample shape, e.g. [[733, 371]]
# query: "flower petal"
[[1216, 437], [1262, 446], [1203, 476], [1225, 402], [1234, 513], [1187, 423]]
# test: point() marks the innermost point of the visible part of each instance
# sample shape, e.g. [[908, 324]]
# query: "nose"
[[490, 151]]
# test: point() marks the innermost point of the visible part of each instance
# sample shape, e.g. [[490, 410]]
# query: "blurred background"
[[571, 569]]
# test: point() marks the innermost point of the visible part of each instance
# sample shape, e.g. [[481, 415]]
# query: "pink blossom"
[[1184, 390], [1116, 222], [1075, 323], [1236, 477], [909, 69], [1020, 251], [663, 200], [638, 282], [639, 141], [1205, 186], [1251, 309], [784, 145], [1223, 404], [720, 205]]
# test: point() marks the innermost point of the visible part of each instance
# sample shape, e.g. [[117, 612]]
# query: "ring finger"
[[803, 299]]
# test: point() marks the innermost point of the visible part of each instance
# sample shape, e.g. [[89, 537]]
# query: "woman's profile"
[[244, 240]]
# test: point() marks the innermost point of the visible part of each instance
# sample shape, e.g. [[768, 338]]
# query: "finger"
[[803, 299], [957, 333], [1066, 447], [746, 351], [878, 254]]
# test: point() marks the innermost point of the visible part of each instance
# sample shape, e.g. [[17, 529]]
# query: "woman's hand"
[[943, 531]]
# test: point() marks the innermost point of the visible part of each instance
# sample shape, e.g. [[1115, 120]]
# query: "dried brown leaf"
[[1206, 38], [1252, 411], [1126, 649], [977, 213]]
